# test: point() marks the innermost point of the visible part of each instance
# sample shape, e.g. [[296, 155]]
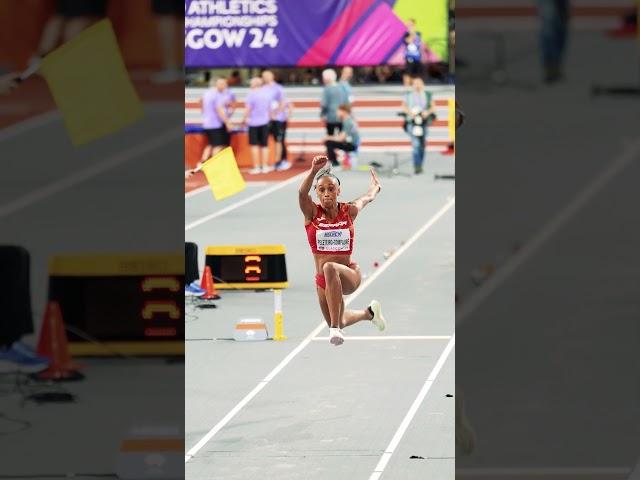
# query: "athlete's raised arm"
[[306, 203], [360, 202]]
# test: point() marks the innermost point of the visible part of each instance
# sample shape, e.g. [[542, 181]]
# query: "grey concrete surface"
[[331, 412], [548, 361]]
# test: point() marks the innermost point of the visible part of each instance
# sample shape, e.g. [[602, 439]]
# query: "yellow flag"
[[223, 175], [90, 84]]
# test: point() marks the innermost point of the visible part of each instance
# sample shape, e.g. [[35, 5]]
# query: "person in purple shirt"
[[257, 115], [276, 124], [217, 108]]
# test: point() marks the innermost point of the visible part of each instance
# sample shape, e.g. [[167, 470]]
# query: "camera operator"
[[419, 114]]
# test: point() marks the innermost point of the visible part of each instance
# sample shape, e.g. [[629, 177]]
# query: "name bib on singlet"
[[333, 240]]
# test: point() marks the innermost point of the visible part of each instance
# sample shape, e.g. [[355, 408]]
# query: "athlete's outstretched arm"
[[306, 203], [359, 203]]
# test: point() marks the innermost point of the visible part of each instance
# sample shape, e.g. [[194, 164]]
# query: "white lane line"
[[29, 124], [390, 337], [197, 191], [206, 188], [234, 411], [591, 473], [227, 418], [547, 231], [388, 452], [49, 117], [88, 173], [245, 201]]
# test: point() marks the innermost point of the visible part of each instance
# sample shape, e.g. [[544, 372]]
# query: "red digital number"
[[252, 268], [159, 307]]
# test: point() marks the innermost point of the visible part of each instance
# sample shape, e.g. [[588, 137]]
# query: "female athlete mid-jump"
[[330, 232]]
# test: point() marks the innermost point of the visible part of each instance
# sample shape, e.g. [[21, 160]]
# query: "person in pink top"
[[331, 233]]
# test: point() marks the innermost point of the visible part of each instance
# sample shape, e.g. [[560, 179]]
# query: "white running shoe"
[[283, 165], [335, 336], [255, 171], [378, 319], [268, 169]]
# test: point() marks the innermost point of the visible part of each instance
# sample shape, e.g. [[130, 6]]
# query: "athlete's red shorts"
[[322, 282]]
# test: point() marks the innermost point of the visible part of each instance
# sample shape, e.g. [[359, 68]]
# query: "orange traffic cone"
[[209, 285], [53, 345]]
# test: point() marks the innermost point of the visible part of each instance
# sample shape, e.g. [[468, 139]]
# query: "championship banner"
[[305, 33]]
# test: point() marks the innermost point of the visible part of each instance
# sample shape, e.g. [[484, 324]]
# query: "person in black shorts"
[[259, 135], [218, 138], [280, 133], [257, 116], [217, 108], [169, 19]]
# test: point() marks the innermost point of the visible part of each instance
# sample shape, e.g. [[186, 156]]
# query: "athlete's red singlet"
[[333, 237]]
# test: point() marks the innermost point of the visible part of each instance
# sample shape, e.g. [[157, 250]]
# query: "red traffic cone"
[[209, 285], [451, 149], [53, 345]]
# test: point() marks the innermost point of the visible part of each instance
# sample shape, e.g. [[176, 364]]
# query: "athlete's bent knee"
[[329, 269]]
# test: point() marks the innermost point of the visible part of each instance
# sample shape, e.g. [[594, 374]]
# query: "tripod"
[[395, 167]]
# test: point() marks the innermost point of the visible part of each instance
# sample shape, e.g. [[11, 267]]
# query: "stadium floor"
[[55, 194], [328, 412], [566, 161]]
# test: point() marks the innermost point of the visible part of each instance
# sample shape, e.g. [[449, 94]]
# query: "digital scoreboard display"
[[130, 304], [248, 266]]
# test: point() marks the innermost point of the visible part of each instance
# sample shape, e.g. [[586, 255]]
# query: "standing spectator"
[[412, 52], [276, 93], [283, 117], [419, 113], [554, 33], [217, 108], [347, 140], [256, 116], [169, 18], [345, 78], [332, 96]]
